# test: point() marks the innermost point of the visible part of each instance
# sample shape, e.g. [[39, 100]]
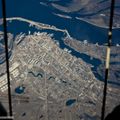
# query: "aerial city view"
[[57, 52]]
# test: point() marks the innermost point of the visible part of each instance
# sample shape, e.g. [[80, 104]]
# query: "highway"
[[39, 25]]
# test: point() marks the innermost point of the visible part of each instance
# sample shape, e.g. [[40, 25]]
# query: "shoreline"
[[77, 18]]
